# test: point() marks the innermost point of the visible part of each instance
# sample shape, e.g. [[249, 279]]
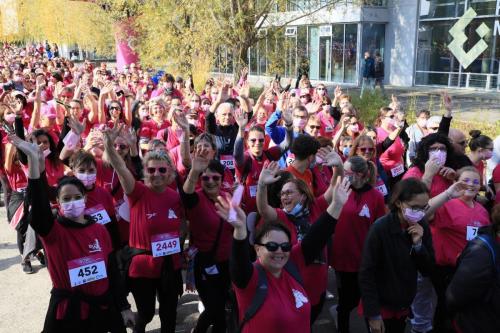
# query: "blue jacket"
[[277, 134], [369, 68]]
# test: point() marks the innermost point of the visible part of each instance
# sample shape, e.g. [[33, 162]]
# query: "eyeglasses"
[[255, 140], [121, 146], [287, 193], [162, 170], [366, 149], [273, 246], [115, 108], [437, 149], [314, 127], [215, 178]]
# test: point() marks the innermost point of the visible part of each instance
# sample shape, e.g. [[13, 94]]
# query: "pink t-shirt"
[[392, 158], [439, 183], [453, 225], [496, 180]]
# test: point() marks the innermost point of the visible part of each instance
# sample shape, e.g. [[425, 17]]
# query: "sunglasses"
[[121, 146], [314, 127], [215, 178], [255, 140], [303, 96], [366, 150], [114, 108], [151, 170], [273, 246]]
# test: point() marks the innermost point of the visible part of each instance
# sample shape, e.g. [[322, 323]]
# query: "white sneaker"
[[201, 308]]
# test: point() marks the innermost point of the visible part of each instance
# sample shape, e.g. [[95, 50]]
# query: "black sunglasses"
[[255, 140], [114, 108], [214, 178], [161, 170], [273, 246]]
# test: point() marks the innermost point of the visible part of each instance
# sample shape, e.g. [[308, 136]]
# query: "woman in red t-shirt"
[[481, 150], [210, 239], [87, 294], [155, 234], [363, 207], [99, 204], [279, 268], [454, 224], [432, 163]]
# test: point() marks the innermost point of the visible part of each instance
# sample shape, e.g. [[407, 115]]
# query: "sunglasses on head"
[[120, 146], [215, 178], [255, 140], [151, 170], [273, 246]]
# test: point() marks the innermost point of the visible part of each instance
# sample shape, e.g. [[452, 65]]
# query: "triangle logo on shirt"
[[365, 211], [300, 299], [171, 214]]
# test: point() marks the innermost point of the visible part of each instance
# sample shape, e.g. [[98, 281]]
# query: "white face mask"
[[299, 122], [46, 152], [195, 105], [9, 118], [73, 209], [422, 123], [88, 179]]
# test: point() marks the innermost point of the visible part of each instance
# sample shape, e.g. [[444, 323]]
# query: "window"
[[441, 8]]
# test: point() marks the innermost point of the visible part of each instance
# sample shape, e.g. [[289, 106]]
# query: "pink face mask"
[[9, 118], [487, 154], [73, 209], [354, 128], [299, 122], [205, 107], [413, 215], [439, 156], [195, 105]]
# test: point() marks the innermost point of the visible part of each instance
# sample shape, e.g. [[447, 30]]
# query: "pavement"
[[25, 297]]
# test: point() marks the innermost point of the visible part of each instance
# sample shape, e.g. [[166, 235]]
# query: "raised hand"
[[447, 102], [181, 120], [110, 135], [268, 174], [76, 126], [241, 118], [337, 92], [30, 149], [245, 90], [329, 156], [199, 164], [223, 205], [341, 191], [432, 167], [131, 137]]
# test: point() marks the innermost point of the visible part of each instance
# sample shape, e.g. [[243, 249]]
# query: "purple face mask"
[[413, 215], [439, 156]]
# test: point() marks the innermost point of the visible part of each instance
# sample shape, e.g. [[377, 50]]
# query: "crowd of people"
[[119, 179]]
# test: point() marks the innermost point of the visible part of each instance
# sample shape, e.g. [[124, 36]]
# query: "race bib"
[[253, 190], [328, 129], [165, 244], [290, 158], [471, 232], [381, 187], [98, 214], [227, 161], [86, 270], [397, 170]]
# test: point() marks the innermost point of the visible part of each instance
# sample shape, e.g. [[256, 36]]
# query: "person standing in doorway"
[[378, 72], [368, 73]]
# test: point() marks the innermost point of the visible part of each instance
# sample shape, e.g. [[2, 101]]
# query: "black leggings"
[[213, 291], [317, 308], [145, 291], [392, 325], [348, 292]]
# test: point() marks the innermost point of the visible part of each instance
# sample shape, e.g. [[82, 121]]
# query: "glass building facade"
[[436, 65]]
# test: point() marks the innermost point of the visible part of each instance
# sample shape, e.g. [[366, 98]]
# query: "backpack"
[[261, 292]]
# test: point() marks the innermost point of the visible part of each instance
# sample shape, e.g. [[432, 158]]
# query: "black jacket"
[[474, 292], [388, 273]]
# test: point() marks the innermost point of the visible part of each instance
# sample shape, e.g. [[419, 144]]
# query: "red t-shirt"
[[480, 168], [322, 176], [152, 214], [306, 176], [252, 178], [54, 172], [287, 307], [360, 211], [454, 224], [391, 159], [64, 244], [149, 128], [204, 230], [316, 277], [100, 197], [439, 183], [496, 180], [17, 177]]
